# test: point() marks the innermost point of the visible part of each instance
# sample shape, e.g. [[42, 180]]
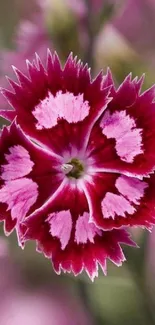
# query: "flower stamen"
[[73, 168], [66, 168]]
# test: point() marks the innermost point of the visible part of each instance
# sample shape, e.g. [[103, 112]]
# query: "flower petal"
[[71, 94], [19, 195], [141, 112], [123, 140], [19, 158], [67, 106], [67, 197], [122, 128], [18, 164], [83, 251], [85, 231], [61, 226], [116, 201]]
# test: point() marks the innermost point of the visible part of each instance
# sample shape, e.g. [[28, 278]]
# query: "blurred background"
[[115, 33]]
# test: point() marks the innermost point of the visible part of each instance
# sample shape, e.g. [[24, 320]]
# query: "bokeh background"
[[115, 33]]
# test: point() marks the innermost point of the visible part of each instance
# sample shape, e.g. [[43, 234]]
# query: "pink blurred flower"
[[31, 37], [20, 304], [41, 307], [137, 25]]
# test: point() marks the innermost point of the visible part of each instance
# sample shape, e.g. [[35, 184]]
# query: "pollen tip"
[[66, 168]]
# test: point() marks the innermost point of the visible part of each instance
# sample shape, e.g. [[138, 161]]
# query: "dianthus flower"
[[77, 163]]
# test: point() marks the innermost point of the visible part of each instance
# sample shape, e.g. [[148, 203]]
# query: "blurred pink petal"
[[137, 24], [56, 304], [31, 37], [43, 308]]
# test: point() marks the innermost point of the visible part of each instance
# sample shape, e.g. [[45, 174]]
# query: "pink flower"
[[31, 36], [20, 303], [141, 32], [43, 304], [41, 307], [82, 165]]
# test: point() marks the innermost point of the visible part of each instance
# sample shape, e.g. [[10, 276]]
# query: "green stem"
[[95, 319]]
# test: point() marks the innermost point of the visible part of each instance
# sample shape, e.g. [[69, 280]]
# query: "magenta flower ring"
[[77, 163]]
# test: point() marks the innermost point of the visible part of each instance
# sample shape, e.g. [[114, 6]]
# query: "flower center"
[[74, 168]]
